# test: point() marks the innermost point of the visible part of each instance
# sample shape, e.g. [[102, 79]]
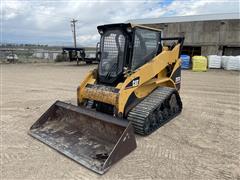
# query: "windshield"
[[145, 46], [112, 53]]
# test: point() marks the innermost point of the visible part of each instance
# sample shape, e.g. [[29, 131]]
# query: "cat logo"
[[133, 83]]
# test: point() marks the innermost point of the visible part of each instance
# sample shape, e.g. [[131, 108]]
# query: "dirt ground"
[[201, 143]]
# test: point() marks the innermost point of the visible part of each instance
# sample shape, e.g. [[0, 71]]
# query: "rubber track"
[[141, 111]]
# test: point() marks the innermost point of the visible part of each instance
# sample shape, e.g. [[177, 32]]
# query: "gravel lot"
[[202, 143]]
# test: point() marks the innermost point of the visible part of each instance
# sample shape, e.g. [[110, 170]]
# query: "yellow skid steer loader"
[[134, 89]]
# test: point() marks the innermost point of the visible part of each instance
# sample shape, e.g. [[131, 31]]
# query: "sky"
[[48, 22]]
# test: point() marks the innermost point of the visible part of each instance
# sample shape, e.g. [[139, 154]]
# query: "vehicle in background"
[[74, 54], [80, 54], [90, 56], [11, 58]]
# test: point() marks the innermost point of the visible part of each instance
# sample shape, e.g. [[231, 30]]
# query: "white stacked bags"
[[224, 61], [232, 63], [214, 61]]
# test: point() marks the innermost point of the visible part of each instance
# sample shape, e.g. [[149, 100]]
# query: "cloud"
[[84, 39], [12, 9], [193, 7], [48, 22]]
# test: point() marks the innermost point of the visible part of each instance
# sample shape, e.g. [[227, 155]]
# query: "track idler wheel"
[[173, 104], [147, 125]]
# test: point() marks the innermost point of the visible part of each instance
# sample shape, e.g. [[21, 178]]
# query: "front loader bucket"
[[93, 139]]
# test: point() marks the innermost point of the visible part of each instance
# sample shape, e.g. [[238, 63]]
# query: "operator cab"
[[125, 48]]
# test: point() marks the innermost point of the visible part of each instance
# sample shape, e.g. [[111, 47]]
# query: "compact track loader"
[[134, 89]]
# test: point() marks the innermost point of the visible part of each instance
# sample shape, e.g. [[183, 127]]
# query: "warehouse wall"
[[210, 35]]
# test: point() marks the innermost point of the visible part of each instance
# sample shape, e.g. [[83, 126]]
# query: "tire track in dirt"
[[201, 143]]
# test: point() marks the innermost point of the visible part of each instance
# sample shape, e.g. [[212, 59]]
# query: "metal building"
[[204, 34]]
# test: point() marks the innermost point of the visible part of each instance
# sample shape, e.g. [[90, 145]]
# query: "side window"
[[145, 47]]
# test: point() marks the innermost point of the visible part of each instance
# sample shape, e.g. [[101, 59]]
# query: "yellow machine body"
[[152, 74]]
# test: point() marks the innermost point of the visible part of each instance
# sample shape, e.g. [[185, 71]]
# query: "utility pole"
[[73, 21]]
